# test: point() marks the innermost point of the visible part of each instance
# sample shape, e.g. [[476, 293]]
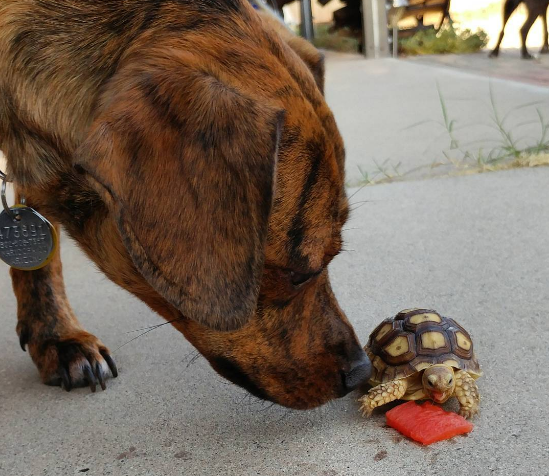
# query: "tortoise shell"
[[416, 339]]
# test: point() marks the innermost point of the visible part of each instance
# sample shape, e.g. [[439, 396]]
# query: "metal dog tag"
[[27, 240]]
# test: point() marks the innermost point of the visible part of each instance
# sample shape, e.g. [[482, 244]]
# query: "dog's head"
[[225, 170]]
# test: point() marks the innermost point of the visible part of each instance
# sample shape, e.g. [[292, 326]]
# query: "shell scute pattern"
[[416, 339]]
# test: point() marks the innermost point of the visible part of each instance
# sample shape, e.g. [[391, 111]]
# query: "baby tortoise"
[[420, 354]]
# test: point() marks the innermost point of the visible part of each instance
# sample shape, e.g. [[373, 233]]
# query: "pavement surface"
[[391, 116], [509, 65], [474, 248]]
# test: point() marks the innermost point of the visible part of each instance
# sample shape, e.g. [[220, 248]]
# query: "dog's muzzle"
[[359, 372]]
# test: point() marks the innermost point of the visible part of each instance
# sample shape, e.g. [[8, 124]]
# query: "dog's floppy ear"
[[313, 58], [187, 166]]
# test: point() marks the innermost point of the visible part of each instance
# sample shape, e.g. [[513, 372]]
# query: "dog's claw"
[[91, 371], [110, 363], [82, 361], [90, 377], [23, 340], [100, 378], [65, 379]]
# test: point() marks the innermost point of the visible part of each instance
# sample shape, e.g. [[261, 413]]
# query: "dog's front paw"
[[76, 360], [544, 50]]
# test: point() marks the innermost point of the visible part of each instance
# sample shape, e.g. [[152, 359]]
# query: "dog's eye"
[[299, 279]]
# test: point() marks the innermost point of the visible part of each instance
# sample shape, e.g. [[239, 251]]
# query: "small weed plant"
[[460, 158], [449, 39]]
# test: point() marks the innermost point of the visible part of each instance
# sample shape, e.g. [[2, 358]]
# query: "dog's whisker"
[[146, 332], [253, 401], [354, 209], [362, 202], [155, 326], [284, 415], [360, 188], [243, 396], [268, 407], [256, 402], [130, 341], [191, 358], [194, 359], [187, 355]]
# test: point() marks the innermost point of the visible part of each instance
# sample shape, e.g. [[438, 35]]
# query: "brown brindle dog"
[[187, 147]]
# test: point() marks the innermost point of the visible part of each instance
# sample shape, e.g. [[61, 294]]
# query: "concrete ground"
[[390, 113], [508, 65], [474, 248]]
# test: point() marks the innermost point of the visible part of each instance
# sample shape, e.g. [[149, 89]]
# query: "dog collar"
[[260, 4]]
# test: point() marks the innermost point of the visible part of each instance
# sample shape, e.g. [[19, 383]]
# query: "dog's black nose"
[[359, 372]]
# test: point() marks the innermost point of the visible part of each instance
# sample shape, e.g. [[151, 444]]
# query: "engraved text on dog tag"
[[27, 240]]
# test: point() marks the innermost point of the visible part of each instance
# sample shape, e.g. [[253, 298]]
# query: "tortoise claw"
[[468, 413]]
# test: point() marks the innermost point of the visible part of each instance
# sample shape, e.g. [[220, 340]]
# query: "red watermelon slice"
[[426, 423]]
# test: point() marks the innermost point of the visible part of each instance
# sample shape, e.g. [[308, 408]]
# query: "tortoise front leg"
[[467, 394], [382, 394]]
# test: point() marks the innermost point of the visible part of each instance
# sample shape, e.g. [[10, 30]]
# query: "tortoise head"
[[439, 382]]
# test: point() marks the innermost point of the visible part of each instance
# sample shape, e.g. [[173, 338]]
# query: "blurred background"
[[471, 14]]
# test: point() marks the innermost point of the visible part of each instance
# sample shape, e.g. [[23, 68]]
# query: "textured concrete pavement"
[[475, 248], [390, 114]]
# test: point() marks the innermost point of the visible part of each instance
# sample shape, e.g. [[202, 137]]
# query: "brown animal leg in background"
[[63, 351], [545, 48], [532, 17], [508, 8]]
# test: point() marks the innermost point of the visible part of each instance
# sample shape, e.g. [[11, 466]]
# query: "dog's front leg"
[[63, 351]]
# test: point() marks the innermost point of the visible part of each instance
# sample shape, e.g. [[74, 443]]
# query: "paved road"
[[474, 248]]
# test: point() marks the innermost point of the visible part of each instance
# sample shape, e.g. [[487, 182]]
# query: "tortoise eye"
[[450, 381]]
